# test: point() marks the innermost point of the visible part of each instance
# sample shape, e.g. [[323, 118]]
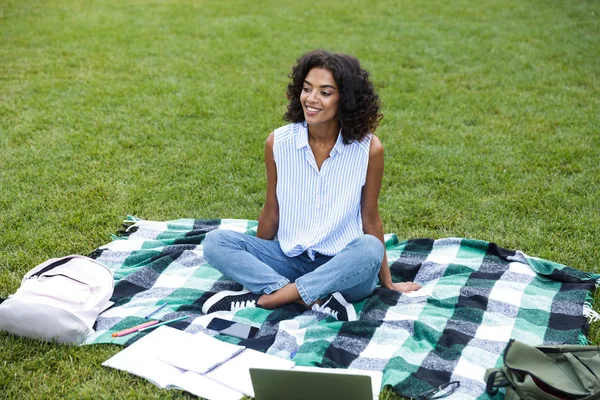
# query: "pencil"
[[163, 323], [134, 328], [157, 310]]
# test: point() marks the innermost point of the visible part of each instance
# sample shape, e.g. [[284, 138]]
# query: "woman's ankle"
[[264, 302], [285, 295]]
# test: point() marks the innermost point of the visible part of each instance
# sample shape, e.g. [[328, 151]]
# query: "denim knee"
[[371, 248], [212, 243]]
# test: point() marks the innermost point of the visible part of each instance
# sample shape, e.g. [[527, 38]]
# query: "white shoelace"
[[324, 309], [240, 305]]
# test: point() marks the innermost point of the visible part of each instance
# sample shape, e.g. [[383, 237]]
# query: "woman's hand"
[[406, 287]]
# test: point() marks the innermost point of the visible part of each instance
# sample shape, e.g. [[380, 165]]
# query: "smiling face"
[[320, 97]]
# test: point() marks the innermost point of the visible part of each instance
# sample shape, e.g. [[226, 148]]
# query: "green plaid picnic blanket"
[[475, 297]]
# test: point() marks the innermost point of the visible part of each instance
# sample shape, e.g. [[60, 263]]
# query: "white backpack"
[[59, 300]]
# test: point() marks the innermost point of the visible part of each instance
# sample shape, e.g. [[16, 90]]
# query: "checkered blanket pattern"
[[475, 297]]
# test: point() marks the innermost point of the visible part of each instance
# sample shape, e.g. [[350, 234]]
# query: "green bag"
[[547, 372]]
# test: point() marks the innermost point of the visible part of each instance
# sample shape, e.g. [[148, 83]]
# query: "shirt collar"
[[302, 140]]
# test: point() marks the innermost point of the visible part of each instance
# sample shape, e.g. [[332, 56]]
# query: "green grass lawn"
[[160, 109]]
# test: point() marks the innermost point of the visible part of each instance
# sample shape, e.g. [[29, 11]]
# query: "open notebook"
[[196, 363]]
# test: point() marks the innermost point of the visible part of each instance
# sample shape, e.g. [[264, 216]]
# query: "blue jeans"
[[262, 267]]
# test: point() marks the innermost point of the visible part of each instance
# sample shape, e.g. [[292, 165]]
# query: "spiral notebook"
[[197, 363]]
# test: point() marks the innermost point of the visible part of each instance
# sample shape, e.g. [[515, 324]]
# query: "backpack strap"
[[494, 379]]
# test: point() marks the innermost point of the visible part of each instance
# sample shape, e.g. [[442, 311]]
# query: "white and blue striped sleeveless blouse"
[[319, 210]]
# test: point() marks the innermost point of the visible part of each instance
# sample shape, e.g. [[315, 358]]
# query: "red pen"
[[134, 328]]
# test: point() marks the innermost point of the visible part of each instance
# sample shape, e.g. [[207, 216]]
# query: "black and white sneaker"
[[230, 301], [338, 307]]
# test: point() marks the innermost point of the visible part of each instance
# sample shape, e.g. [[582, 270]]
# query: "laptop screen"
[[304, 383]]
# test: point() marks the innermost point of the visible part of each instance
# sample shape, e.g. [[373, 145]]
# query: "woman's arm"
[[371, 219], [268, 222]]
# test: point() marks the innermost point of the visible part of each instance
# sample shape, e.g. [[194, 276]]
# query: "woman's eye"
[[305, 89], [326, 94]]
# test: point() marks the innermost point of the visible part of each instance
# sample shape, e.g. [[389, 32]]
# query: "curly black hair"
[[359, 104]]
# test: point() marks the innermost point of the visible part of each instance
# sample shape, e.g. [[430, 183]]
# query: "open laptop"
[[302, 383]]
